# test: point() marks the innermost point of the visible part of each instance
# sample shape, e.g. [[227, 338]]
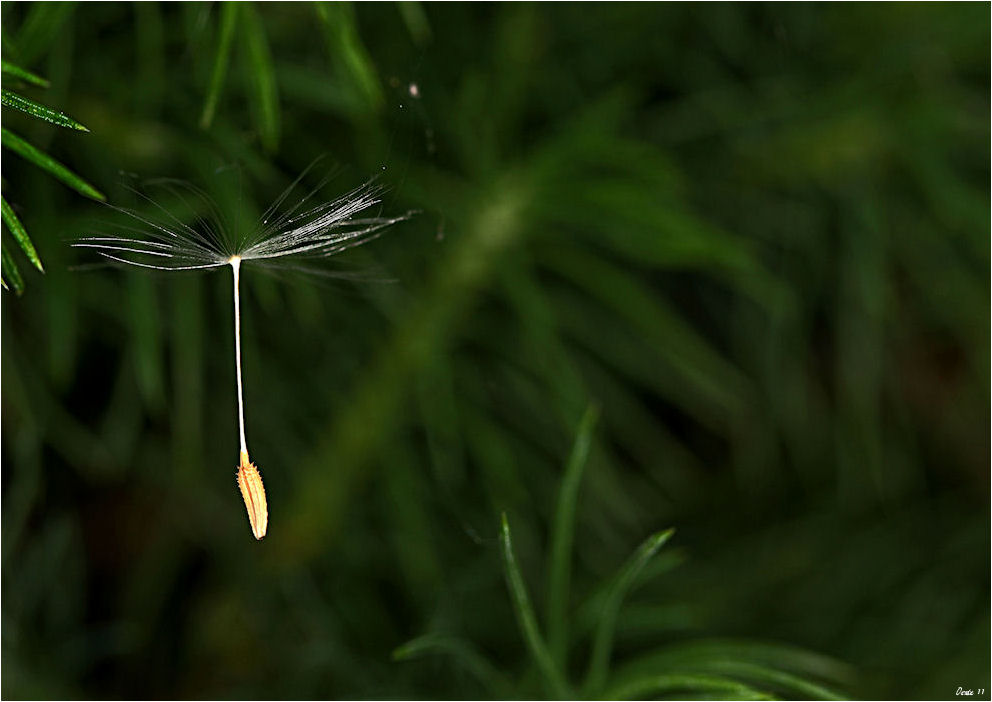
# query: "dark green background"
[[756, 237]]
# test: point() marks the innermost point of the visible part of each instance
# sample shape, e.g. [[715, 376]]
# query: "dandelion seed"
[[165, 241]]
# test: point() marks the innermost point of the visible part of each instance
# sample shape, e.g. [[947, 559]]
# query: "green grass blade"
[[27, 76], [345, 46], [146, 332], [654, 686], [149, 45], [461, 651], [46, 162], [415, 20], [603, 642], [783, 657], [714, 380], [17, 229], [10, 270], [559, 571], [41, 28], [228, 21], [790, 684], [38, 110], [782, 668], [263, 75], [525, 617]]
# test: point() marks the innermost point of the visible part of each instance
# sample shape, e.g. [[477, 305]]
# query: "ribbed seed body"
[[253, 493]]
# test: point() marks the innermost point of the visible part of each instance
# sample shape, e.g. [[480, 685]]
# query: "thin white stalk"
[[236, 267]]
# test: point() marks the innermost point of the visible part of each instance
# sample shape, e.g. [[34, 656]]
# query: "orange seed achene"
[[253, 493]]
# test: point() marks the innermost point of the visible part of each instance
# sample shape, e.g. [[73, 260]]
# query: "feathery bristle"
[[195, 237]]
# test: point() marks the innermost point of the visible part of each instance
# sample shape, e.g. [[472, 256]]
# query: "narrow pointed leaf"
[[705, 655], [461, 651], [655, 686], [562, 537], [41, 29], [263, 76], [525, 617], [719, 386], [10, 270], [27, 76], [17, 229], [415, 20], [149, 44], [228, 21], [346, 48], [603, 642], [46, 162], [38, 110], [790, 684]]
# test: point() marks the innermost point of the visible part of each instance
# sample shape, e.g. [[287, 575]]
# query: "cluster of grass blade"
[[241, 18], [696, 669], [349, 64], [24, 78]]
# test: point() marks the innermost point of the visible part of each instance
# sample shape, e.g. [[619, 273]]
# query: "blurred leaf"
[[17, 229], [626, 353], [46, 162], [22, 73], [408, 501], [62, 314], [547, 349], [40, 28], [24, 491], [149, 40], [599, 661], [657, 686], [345, 46], [559, 571], [461, 651], [266, 96], [10, 272], [35, 109], [187, 354], [495, 226], [306, 87], [228, 21], [497, 457], [714, 379], [788, 669], [550, 672], [791, 685], [146, 331], [415, 20], [588, 616]]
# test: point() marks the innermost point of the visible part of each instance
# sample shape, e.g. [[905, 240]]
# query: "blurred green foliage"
[[9, 98], [756, 237]]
